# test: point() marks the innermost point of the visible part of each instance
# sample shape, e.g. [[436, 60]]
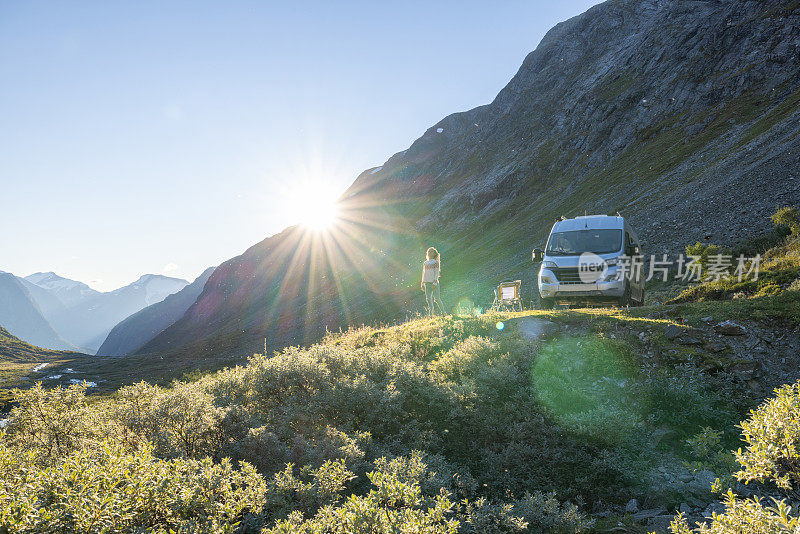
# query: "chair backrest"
[[509, 290]]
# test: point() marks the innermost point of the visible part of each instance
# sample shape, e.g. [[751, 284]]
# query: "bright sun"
[[317, 207]]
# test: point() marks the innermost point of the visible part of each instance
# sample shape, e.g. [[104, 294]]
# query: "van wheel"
[[546, 304], [625, 299]]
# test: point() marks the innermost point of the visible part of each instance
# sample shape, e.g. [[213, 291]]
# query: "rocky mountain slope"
[[22, 316], [681, 115], [144, 325]]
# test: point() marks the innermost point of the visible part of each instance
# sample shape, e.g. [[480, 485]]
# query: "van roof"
[[598, 222]]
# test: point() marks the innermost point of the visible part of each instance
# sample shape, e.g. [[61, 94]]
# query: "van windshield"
[[580, 241]]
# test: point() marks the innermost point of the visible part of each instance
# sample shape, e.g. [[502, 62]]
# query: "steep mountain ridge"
[[144, 325], [20, 314], [681, 115]]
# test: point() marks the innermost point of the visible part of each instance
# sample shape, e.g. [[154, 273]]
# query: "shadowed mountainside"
[[144, 325]]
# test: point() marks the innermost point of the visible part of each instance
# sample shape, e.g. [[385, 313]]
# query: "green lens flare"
[[583, 383]]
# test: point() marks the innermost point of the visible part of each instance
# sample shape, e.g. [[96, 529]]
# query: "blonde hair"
[[432, 254]]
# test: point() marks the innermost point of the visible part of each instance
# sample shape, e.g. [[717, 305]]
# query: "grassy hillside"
[[18, 359], [551, 419], [779, 272]]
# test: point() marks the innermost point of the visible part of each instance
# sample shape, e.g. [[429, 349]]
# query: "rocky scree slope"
[[681, 115]]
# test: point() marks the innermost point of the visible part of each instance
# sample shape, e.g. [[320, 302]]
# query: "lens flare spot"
[[584, 382], [500, 325]]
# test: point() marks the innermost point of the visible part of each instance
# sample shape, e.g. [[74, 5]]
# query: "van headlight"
[[548, 264], [545, 278], [612, 275]]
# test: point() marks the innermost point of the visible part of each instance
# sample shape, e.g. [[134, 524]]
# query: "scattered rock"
[[632, 507], [689, 339], [685, 508], [660, 523], [707, 319], [672, 331], [704, 479], [683, 336], [729, 328], [716, 346], [756, 387], [714, 507], [747, 370], [644, 515]]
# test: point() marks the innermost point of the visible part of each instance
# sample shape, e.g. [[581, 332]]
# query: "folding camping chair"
[[508, 295]]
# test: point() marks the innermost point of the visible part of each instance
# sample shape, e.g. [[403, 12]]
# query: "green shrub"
[[772, 434], [744, 516], [108, 488], [703, 251], [510, 429], [772, 455], [180, 422], [53, 423], [304, 492], [543, 513], [395, 504], [787, 217], [485, 517]]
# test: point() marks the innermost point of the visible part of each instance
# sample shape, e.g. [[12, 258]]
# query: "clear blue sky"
[[162, 137]]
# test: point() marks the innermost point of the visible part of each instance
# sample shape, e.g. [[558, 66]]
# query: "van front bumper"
[[613, 289]]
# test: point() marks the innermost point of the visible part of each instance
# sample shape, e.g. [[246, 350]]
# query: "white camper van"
[[594, 259]]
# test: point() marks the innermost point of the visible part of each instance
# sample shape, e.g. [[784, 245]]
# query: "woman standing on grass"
[[431, 268]]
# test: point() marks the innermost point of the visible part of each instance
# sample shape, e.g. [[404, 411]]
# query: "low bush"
[[787, 217], [396, 503], [423, 426], [110, 488], [771, 456]]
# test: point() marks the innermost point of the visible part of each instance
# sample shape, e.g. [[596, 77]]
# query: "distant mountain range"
[[68, 292], [22, 315], [54, 312], [144, 325]]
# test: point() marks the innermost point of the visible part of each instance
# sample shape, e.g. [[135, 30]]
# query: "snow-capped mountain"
[[84, 316], [144, 325], [69, 292], [155, 287]]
